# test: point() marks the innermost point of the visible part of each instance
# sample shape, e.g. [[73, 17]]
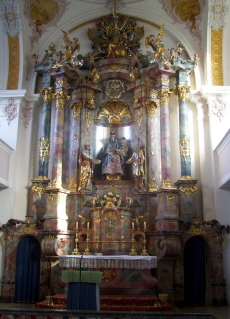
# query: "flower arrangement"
[[111, 197]]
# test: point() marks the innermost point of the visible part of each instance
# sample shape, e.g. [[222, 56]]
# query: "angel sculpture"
[[72, 47], [91, 56], [156, 43]]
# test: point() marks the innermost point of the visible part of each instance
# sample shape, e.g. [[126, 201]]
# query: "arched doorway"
[[27, 270], [194, 271]]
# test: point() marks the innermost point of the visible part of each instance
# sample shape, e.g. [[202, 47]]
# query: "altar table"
[[121, 261]]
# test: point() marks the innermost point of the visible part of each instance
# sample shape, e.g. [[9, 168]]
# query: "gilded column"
[[163, 95], [184, 143], [153, 142], [61, 97]]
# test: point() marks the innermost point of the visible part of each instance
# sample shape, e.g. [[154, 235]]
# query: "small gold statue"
[[86, 161]]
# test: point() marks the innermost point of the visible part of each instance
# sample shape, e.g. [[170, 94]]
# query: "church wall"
[[3, 57]]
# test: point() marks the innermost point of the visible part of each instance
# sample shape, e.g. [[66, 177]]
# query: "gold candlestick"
[[76, 251], [133, 251], [87, 252], [144, 251]]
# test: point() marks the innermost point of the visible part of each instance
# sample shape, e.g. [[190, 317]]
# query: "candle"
[[144, 225], [76, 225], [132, 225], [87, 225]]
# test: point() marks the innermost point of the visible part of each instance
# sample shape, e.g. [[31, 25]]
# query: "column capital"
[[47, 94], [182, 92], [61, 97], [163, 95], [76, 107]]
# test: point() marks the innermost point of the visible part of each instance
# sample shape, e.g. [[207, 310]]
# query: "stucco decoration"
[[219, 107], [203, 104], [217, 14], [10, 110], [26, 115], [9, 14], [42, 14], [187, 12]]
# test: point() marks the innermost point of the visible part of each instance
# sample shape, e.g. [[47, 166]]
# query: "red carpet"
[[116, 303]]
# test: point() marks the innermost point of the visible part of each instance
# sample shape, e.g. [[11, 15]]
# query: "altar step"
[[115, 303]]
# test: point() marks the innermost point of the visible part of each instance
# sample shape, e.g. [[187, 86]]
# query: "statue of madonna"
[[112, 163]]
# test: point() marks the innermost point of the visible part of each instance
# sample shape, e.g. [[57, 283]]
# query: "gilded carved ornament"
[[88, 119], [139, 117], [61, 98], [108, 275], [134, 75], [61, 83], [55, 184], [153, 186], [94, 75], [113, 185], [29, 229], [44, 149], [151, 107], [152, 94], [182, 92], [90, 100], [167, 184], [50, 237], [184, 147], [114, 112], [163, 96], [136, 97], [77, 95], [76, 108], [51, 197], [170, 197], [163, 81], [188, 190], [113, 67], [39, 189], [47, 94], [4, 237], [72, 185], [196, 230], [114, 89]]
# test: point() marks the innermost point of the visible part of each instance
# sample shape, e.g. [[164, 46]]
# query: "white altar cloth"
[[122, 261]]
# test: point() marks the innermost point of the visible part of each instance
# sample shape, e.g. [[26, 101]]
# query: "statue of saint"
[[86, 161], [137, 159], [112, 163]]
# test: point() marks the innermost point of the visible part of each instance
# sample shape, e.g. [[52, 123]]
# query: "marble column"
[[153, 141], [61, 97], [44, 149], [182, 91], [75, 123], [163, 95]]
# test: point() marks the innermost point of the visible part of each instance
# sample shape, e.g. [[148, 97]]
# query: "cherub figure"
[[134, 63], [51, 50], [34, 57], [72, 47]]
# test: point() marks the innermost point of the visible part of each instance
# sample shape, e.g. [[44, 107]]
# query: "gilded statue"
[[72, 47], [137, 160], [156, 43], [86, 160]]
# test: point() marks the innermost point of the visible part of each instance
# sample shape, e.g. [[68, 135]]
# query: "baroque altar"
[[104, 182]]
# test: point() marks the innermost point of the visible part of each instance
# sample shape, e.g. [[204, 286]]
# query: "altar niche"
[[117, 155]]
